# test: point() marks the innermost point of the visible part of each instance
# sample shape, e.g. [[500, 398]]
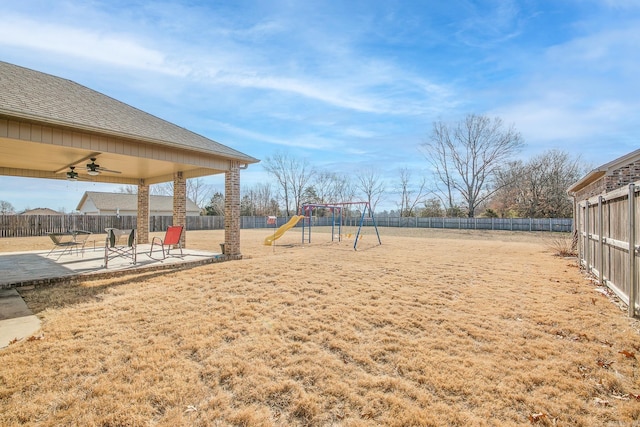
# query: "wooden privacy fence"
[[41, 225], [607, 236]]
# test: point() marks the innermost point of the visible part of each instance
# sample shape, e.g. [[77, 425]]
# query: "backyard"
[[433, 327]]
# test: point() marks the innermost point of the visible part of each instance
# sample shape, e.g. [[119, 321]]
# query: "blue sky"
[[346, 85]]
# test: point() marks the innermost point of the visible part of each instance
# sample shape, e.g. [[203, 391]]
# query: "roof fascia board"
[[13, 115]]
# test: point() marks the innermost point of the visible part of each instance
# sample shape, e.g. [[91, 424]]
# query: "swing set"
[[338, 219]]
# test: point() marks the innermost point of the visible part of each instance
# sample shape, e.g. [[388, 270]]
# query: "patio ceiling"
[[33, 159]]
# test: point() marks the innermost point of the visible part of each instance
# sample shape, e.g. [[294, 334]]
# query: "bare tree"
[[6, 208], [293, 177], [329, 187], [467, 156], [128, 189], [437, 155], [510, 180], [323, 189], [198, 191], [344, 189], [410, 197], [215, 206], [259, 200], [369, 182], [537, 189]]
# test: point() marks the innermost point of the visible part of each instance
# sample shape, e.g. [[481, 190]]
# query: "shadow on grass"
[[66, 294]]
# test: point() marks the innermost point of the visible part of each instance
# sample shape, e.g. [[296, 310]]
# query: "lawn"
[[431, 328]]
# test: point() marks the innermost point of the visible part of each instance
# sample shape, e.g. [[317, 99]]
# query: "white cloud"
[[300, 141], [114, 49], [343, 80]]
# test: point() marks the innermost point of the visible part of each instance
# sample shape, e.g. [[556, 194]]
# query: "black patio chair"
[[120, 243]]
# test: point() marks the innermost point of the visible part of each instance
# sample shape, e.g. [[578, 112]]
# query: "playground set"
[[340, 214]]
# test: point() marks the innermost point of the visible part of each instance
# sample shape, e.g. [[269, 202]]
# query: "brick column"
[[143, 213], [180, 204], [232, 212]]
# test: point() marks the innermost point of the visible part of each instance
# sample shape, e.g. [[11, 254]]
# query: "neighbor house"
[[40, 211], [99, 203]]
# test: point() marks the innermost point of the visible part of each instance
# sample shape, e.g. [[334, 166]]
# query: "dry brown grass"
[[431, 328]]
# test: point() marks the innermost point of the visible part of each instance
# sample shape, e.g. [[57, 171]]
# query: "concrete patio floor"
[[38, 268], [33, 268]]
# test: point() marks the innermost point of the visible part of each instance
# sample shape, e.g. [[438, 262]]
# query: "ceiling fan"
[[72, 175], [94, 169]]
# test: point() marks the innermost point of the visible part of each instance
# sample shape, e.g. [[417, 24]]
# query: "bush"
[[561, 244]]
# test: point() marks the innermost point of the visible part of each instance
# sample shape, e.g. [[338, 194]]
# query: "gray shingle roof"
[[40, 211], [33, 95], [129, 202]]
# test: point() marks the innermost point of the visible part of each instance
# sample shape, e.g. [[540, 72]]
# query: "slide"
[[283, 229]]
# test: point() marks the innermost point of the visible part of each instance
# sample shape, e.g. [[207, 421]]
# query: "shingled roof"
[[129, 202], [44, 98]]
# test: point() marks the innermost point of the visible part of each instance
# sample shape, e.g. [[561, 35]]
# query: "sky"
[[346, 85]]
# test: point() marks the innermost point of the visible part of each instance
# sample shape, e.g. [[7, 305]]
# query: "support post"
[[142, 232], [232, 212], [180, 204]]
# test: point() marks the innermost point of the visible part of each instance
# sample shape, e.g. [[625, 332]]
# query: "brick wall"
[[180, 203], [618, 178], [623, 176], [232, 212], [143, 214], [593, 189]]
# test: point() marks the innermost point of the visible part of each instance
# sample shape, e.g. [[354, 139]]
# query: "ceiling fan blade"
[[107, 170]]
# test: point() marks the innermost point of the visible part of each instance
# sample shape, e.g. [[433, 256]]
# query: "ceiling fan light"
[[93, 172]]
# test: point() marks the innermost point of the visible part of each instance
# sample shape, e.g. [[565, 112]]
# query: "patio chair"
[[171, 238], [120, 243], [68, 241], [81, 237]]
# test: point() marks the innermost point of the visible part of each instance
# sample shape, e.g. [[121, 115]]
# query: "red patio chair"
[[171, 238]]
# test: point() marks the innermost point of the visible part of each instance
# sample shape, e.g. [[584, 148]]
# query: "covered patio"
[[54, 128]]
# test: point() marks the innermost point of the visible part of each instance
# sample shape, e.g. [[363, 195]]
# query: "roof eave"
[[589, 178], [246, 159], [603, 170]]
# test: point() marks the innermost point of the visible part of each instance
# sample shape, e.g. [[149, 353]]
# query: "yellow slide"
[[283, 229]]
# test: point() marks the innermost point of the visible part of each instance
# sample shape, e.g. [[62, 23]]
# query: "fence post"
[[600, 240], [632, 250], [586, 237]]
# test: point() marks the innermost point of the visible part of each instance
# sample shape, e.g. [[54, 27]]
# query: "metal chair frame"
[[172, 238]]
